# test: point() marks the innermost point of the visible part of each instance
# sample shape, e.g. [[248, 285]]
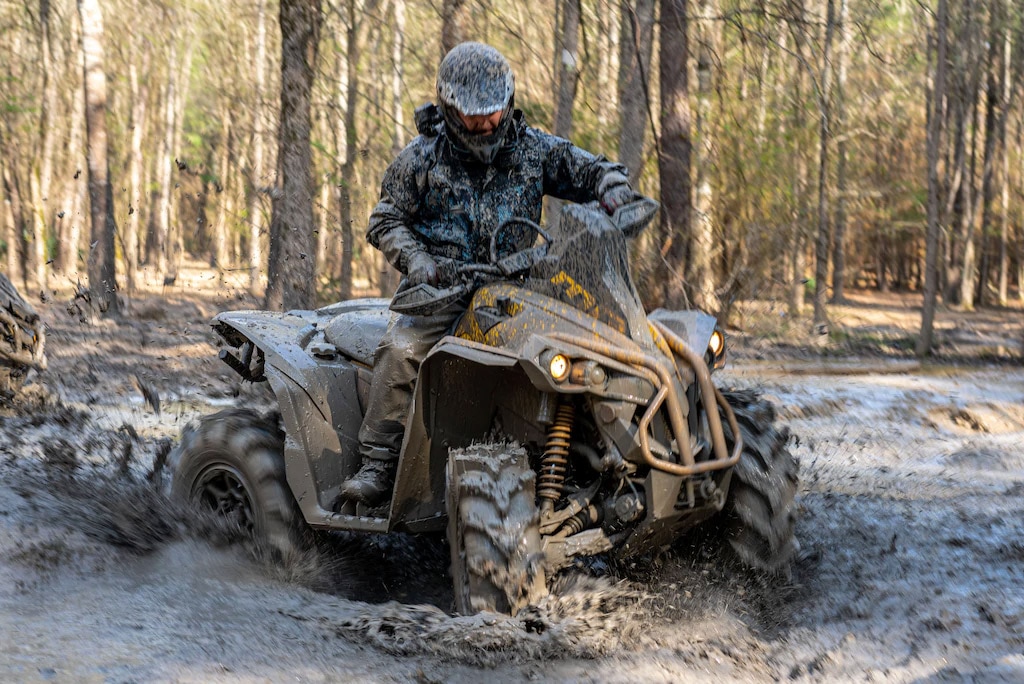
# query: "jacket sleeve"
[[573, 174], [401, 195]]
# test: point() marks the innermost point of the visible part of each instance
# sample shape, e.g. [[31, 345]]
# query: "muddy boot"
[[372, 484]]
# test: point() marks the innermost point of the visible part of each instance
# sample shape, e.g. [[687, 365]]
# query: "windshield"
[[587, 266]]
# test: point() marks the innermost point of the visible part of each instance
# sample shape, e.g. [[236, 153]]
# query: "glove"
[[613, 191], [447, 270], [421, 269], [615, 196]]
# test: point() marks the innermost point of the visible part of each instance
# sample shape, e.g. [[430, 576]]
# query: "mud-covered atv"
[[557, 421], [22, 339]]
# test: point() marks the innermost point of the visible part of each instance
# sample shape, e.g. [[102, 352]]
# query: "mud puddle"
[[910, 568]]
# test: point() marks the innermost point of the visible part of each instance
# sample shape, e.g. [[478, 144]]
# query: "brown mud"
[[911, 520]]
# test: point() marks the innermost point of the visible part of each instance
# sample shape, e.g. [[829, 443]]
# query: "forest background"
[[799, 148]]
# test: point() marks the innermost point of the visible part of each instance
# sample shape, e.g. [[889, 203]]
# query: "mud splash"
[[584, 618]]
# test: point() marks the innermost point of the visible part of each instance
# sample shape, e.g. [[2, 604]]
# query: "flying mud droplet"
[[149, 394]]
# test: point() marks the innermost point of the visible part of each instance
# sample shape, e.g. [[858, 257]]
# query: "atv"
[[557, 422], [22, 340]]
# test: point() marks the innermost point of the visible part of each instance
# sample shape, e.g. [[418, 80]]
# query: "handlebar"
[[426, 299]]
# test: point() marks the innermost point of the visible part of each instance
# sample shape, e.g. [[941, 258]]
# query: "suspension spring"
[[553, 465]]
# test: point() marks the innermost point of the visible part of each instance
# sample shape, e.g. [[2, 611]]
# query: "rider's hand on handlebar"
[[447, 270], [422, 269], [615, 196]]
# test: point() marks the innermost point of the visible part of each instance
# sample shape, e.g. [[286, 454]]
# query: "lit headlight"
[[717, 343], [559, 367]]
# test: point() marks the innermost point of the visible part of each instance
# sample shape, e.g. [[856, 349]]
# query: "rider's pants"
[[395, 369]]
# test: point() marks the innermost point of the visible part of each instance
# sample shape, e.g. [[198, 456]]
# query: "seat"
[[357, 327]]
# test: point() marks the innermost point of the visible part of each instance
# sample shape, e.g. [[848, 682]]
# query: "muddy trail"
[[911, 532]]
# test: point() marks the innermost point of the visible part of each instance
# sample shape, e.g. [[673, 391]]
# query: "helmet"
[[476, 79]]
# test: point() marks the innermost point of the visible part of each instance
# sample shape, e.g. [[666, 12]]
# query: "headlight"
[[717, 343], [559, 367]]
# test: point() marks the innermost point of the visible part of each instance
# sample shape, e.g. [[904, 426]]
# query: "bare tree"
[[139, 95], [842, 134], [567, 38], [453, 21], [700, 268], [795, 257], [257, 169], [102, 285], [634, 82], [43, 168], [936, 105], [995, 127], [291, 273], [674, 151], [68, 250], [220, 239], [1011, 77], [821, 251]]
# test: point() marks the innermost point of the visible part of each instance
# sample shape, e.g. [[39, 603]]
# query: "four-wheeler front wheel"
[[231, 464], [493, 530], [760, 513]]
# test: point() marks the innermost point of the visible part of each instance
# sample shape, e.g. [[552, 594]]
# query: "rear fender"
[[285, 339], [318, 400]]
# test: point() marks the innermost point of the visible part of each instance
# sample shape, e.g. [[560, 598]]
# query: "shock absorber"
[[551, 480]]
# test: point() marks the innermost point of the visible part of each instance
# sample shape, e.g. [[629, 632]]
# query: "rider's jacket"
[[438, 199]]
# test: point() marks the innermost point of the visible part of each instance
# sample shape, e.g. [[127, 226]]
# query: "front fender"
[[453, 407], [695, 327]]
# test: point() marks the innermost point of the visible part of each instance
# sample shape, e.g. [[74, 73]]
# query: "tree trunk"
[[177, 232], [634, 83], [607, 66], [795, 256], [291, 274], [139, 95], [68, 251], [994, 114], [165, 160], [102, 285], [567, 74], [674, 152], [821, 247], [10, 232], [700, 272], [220, 239], [42, 171], [453, 20], [839, 126], [568, 71], [1009, 89], [971, 105], [256, 181], [935, 118], [389, 276], [959, 194], [347, 93]]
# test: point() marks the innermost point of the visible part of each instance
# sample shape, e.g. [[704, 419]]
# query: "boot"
[[372, 484]]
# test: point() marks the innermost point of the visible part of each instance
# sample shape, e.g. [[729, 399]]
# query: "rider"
[[475, 164]]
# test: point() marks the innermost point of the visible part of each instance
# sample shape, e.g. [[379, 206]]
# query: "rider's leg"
[[396, 367]]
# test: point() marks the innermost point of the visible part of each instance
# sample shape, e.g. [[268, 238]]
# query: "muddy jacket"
[[438, 200]]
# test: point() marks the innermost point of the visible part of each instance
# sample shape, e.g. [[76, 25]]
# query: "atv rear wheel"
[[760, 513], [231, 464], [493, 530]]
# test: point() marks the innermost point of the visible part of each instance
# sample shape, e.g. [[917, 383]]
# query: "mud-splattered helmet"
[[475, 79]]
